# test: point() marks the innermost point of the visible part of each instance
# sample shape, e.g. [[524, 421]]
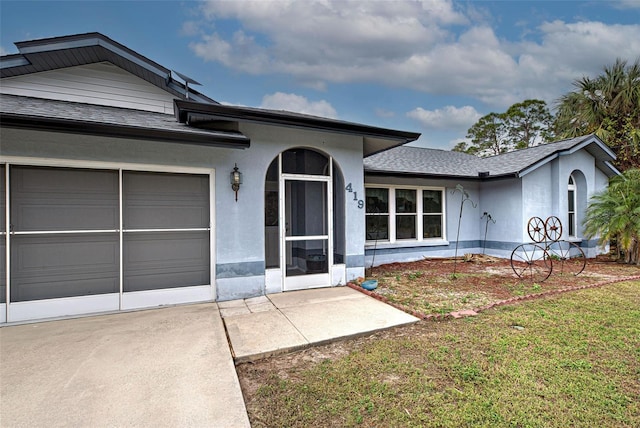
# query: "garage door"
[[84, 241]]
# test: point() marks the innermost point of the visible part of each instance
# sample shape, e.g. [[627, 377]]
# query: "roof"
[[199, 117], [67, 51], [375, 139], [420, 161], [64, 116]]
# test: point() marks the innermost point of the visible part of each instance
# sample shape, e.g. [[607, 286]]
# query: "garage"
[[86, 240]]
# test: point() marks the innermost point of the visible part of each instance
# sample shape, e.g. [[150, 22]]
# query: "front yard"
[[429, 286], [565, 360]]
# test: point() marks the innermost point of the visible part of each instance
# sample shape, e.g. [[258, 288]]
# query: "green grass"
[[574, 360]]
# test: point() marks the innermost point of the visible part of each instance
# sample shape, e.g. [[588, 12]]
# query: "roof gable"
[[99, 83], [69, 51]]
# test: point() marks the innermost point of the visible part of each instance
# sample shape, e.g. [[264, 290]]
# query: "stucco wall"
[[502, 199], [239, 226], [545, 193]]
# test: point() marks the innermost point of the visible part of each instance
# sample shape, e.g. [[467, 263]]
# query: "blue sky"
[[433, 67]]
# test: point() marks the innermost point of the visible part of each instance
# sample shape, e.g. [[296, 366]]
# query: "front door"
[[307, 240], [305, 244]]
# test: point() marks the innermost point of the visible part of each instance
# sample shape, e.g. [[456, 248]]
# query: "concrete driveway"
[[162, 367]]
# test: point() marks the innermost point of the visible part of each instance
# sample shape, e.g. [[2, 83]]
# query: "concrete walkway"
[[263, 326], [169, 367], [166, 367]]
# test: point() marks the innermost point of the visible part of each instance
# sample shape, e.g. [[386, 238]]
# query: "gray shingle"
[[432, 162], [90, 113]]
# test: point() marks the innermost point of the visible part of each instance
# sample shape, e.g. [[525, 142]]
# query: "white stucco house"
[[121, 187]]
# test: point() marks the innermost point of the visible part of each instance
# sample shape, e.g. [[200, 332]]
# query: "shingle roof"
[[65, 116], [432, 162]]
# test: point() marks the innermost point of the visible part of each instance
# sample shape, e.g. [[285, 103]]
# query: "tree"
[[523, 125], [614, 214], [529, 123], [488, 135], [608, 106]]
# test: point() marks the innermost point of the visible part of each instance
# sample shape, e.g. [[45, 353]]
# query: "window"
[[571, 206], [404, 214], [377, 214]]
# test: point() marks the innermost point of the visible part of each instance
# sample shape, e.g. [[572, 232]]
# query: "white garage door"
[[84, 240]]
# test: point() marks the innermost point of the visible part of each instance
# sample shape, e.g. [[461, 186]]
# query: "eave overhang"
[[374, 172], [39, 123], [375, 139]]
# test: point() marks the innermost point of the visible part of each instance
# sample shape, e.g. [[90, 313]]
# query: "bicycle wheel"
[[568, 257], [531, 261], [536, 229]]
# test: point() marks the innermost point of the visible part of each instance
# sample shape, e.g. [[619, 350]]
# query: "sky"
[[433, 67]]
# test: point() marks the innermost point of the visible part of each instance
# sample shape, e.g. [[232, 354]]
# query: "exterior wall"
[[538, 190], [101, 83], [381, 252], [545, 193], [502, 199], [241, 254], [239, 226]]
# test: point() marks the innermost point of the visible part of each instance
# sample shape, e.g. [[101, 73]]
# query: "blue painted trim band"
[[234, 270], [356, 260]]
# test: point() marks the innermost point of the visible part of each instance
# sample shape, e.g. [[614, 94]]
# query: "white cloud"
[[449, 117], [298, 104], [436, 47]]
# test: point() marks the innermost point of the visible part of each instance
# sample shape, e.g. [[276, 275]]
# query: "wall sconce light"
[[236, 180]]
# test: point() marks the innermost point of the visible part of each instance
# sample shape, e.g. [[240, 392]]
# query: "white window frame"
[[418, 215], [572, 187]]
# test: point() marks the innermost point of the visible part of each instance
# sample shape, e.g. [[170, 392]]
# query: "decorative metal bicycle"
[[535, 262]]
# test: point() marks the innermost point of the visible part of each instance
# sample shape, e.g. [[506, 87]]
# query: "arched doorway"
[[300, 221]]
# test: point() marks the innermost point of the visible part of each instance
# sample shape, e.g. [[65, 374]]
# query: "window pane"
[[432, 201], [406, 227], [63, 199], [306, 208], [303, 161], [307, 257], [571, 200], [405, 201], [432, 226], [377, 227], [377, 200], [572, 220]]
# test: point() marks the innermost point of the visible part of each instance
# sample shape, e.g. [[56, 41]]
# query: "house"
[[121, 187], [413, 207]]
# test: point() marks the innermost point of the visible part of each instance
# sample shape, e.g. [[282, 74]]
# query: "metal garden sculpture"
[[535, 260]]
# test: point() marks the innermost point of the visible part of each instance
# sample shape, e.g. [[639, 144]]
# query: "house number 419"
[[360, 202]]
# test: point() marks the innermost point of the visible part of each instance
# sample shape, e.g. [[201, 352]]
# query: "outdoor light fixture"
[[236, 180]]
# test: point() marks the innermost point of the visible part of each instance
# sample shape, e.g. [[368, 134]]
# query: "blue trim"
[[405, 249], [234, 270], [490, 245], [356, 260]]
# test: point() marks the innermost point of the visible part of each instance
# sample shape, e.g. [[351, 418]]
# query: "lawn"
[[566, 360]]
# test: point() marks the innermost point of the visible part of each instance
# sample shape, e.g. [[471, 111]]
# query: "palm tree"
[[615, 214], [608, 106]]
